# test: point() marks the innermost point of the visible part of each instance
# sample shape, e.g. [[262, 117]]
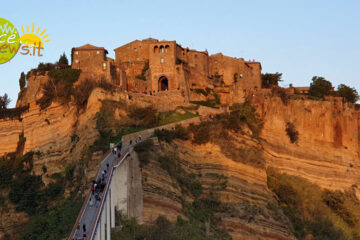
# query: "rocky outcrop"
[[250, 216], [327, 150]]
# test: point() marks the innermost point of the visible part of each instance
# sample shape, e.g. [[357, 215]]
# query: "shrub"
[[63, 60], [312, 210], [209, 103], [200, 91], [292, 132], [4, 101], [246, 113], [186, 181], [106, 85], [82, 93], [168, 135], [13, 113], [320, 87], [143, 117], [270, 79], [22, 81], [201, 132], [347, 93], [142, 149], [280, 92]]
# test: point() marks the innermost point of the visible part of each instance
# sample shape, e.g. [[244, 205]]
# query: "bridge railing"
[[88, 195], [105, 194]]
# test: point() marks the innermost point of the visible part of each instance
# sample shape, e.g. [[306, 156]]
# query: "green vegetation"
[[63, 60], [217, 132], [137, 119], [270, 79], [292, 132], [142, 149], [22, 81], [173, 116], [319, 88], [12, 113], [347, 93], [280, 92], [179, 132], [142, 76], [163, 230], [56, 223], [4, 101], [82, 93], [51, 214], [214, 103], [322, 213], [186, 181], [59, 87], [201, 91]]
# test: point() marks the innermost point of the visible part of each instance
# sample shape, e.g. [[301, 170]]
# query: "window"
[[166, 48], [104, 66], [135, 49], [195, 56], [161, 49], [76, 61], [76, 53], [156, 48], [97, 52], [162, 60]]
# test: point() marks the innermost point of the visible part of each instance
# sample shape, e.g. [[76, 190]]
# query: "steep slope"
[[327, 150], [249, 211]]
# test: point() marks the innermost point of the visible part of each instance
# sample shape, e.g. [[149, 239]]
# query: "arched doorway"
[[163, 83]]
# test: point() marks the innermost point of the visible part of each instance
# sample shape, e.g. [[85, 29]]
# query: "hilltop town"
[[212, 144], [150, 66]]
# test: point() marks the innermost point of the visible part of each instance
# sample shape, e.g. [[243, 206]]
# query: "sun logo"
[[33, 40]]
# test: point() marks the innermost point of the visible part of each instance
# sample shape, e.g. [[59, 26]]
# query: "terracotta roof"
[[302, 88], [89, 47]]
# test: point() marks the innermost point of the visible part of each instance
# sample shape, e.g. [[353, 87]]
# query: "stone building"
[[93, 62], [150, 66]]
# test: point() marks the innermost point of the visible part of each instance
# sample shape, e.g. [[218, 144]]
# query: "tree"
[[22, 81], [320, 87], [4, 101], [270, 79], [63, 60], [349, 94]]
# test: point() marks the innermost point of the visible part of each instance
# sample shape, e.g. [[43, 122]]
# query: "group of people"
[[98, 187]]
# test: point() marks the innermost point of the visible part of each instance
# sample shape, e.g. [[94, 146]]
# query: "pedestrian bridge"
[[122, 191]]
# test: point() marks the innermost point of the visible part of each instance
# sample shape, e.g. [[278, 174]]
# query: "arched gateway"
[[163, 83]]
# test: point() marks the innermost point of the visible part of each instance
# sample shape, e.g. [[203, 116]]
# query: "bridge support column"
[[112, 205], [97, 235], [108, 233], [102, 228]]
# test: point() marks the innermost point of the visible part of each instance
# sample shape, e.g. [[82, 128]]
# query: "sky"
[[300, 39]]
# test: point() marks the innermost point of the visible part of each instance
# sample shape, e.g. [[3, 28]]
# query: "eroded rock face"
[[327, 150], [250, 216]]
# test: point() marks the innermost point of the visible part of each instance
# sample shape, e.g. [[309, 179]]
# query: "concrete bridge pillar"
[[112, 205], [108, 222], [97, 235], [102, 226]]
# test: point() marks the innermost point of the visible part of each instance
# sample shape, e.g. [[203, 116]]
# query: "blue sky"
[[297, 38]]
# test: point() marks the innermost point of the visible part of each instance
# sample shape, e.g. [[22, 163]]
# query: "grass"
[[164, 230], [174, 116], [312, 210]]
